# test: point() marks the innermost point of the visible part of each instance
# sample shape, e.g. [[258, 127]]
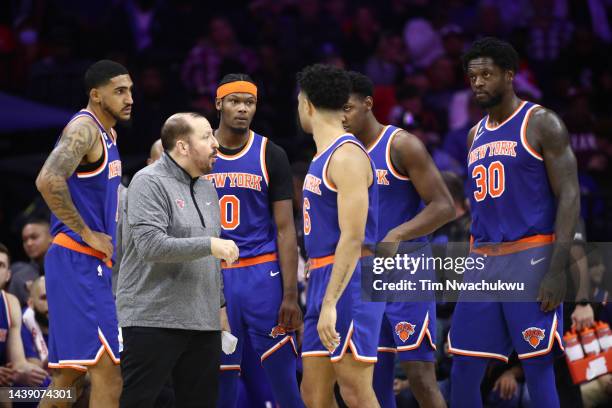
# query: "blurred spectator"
[[580, 122], [134, 22], [57, 78], [455, 141], [409, 112], [385, 67], [423, 43], [363, 38], [36, 240], [454, 41], [204, 65], [35, 330]]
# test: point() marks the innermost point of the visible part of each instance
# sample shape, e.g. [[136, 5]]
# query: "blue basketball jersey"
[[95, 193], [321, 227], [241, 181], [510, 195], [398, 200], [5, 325]]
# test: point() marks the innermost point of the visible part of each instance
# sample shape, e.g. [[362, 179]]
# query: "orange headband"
[[236, 87]]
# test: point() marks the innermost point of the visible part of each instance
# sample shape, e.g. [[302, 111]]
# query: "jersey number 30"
[[491, 180], [230, 212]]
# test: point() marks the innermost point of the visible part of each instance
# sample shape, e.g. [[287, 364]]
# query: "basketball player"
[[80, 182], [253, 180], [406, 178], [14, 368], [340, 216], [524, 191]]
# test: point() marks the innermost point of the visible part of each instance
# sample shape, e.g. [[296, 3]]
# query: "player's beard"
[[493, 101], [41, 318], [116, 115]]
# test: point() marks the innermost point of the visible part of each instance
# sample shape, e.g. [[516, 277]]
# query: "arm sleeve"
[[148, 215], [279, 173]]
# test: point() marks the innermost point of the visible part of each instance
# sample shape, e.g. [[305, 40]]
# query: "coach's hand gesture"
[[224, 249], [100, 242]]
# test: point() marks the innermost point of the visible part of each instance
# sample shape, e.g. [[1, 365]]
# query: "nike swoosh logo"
[[274, 273], [109, 145], [537, 261]]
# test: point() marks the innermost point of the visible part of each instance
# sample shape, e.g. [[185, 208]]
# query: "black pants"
[[152, 355]]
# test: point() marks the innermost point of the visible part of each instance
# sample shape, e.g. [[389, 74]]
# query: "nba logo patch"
[[277, 331], [404, 330], [180, 203], [533, 336]]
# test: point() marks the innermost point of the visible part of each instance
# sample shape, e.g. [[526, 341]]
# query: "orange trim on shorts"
[[505, 248], [314, 263], [255, 260], [71, 366], [65, 241], [287, 339]]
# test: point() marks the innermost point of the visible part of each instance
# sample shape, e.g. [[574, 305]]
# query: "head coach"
[[169, 292]]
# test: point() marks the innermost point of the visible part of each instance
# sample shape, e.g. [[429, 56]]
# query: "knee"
[[422, 382], [353, 394], [114, 385], [65, 378], [314, 396]]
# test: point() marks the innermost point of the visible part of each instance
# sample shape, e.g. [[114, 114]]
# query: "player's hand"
[[582, 317], [552, 291], [326, 327], [7, 376], [225, 326], [389, 245], [30, 375], [506, 385], [290, 314], [224, 249], [100, 242]]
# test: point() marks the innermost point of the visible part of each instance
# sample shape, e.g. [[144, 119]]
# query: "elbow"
[[41, 183]]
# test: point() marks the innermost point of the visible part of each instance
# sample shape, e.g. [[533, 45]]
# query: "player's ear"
[[94, 95], [369, 102], [218, 104], [309, 107], [510, 75]]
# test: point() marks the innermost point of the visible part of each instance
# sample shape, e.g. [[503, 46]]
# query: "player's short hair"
[[326, 87], [361, 84], [501, 52], [101, 72], [4, 250], [229, 78], [177, 127], [37, 221]]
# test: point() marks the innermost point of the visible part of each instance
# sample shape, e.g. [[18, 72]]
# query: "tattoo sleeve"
[[76, 141]]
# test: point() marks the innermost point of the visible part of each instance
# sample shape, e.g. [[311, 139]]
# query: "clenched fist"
[[224, 249]]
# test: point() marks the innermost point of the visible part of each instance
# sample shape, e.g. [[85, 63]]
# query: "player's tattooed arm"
[[548, 135], [76, 141], [410, 157]]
